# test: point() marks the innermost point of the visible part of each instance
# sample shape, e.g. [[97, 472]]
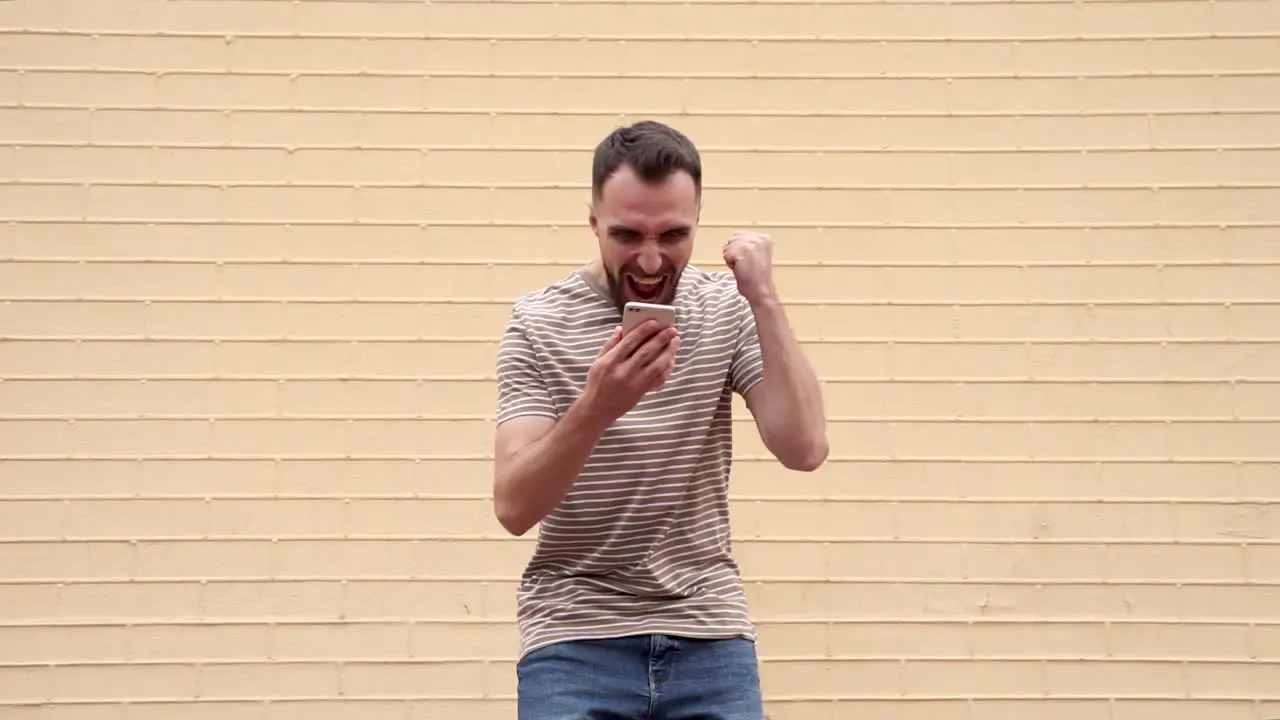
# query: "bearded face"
[[646, 233]]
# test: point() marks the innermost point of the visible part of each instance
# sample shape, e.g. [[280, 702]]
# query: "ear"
[[593, 220]]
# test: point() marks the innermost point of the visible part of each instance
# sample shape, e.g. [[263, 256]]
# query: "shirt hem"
[[747, 632]]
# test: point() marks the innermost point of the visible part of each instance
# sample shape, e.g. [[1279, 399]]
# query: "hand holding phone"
[[639, 357]]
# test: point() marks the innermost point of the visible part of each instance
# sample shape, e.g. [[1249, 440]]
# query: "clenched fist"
[[750, 258]]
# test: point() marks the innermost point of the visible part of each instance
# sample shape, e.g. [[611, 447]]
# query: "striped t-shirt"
[[641, 542]]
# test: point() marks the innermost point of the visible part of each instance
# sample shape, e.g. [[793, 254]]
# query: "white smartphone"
[[635, 313]]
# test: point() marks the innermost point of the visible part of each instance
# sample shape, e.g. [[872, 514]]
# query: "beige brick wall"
[[255, 256]]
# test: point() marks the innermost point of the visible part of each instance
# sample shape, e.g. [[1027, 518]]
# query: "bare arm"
[[537, 460], [787, 404]]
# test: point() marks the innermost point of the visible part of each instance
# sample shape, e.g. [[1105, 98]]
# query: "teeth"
[[645, 283]]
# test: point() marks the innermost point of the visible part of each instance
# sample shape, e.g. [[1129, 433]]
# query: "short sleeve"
[[521, 387], [747, 368]]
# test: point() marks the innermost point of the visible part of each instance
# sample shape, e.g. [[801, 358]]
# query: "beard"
[[631, 284]]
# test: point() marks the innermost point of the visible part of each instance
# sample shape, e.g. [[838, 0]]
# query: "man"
[[632, 607]]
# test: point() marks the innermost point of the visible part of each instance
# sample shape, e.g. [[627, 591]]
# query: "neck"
[[596, 269], [593, 272]]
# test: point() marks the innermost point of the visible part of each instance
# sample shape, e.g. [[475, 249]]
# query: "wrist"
[[587, 413], [764, 298]]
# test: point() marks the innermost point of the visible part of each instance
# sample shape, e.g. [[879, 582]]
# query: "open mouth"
[[645, 289]]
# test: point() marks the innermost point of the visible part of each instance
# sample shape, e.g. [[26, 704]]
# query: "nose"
[[650, 261]]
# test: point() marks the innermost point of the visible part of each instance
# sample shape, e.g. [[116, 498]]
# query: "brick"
[[240, 16], [349, 92], [907, 640], [44, 202], [1039, 640], [1260, 562], [1035, 95], [274, 128], [1184, 709], [478, 708], [1108, 521], [35, 644], [105, 202], [136, 518], [434, 600], [86, 88], [488, 559], [159, 53], [204, 642], [875, 678], [919, 520], [1265, 642], [144, 15], [461, 640], [27, 600], [222, 165], [1025, 561], [38, 125], [313, 642], [1232, 680], [1173, 641], [1226, 520], [778, 519], [1153, 321], [407, 517], [783, 640], [325, 204], [1113, 678], [413, 679], [26, 683], [74, 560], [128, 478], [262, 600], [280, 679], [129, 601], [156, 126], [83, 163], [275, 518], [294, 55], [171, 559], [1218, 562], [299, 558], [1059, 709], [143, 358], [126, 682], [116, 280], [1159, 168], [1080, 57], [332, 166], [952, 678], [1243, 17], [1155, 20]]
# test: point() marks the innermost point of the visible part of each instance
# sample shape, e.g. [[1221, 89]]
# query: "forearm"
[[791, 413], [538, 476]]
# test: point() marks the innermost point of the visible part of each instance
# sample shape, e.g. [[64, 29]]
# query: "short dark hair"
[[653, 150]]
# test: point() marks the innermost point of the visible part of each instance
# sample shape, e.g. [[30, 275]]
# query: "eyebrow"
[[625, 229]]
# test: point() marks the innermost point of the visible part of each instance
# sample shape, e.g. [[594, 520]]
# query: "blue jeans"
[[642, 677]]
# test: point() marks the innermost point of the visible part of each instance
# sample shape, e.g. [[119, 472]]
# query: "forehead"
[[627, 200]]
